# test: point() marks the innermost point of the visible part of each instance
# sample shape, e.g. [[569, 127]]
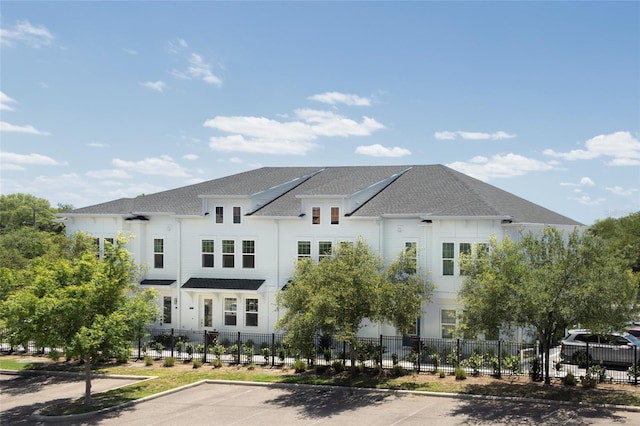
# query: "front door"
[[206, 320]]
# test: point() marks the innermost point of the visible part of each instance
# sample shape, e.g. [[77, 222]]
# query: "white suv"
[[621, 349]]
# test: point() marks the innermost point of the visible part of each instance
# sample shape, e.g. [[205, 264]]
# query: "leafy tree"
[[84, 305], [19, 210], [547, 283], [333, 296], [624, 235]]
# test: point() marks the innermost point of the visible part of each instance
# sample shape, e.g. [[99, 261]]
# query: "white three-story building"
[[218, 252]]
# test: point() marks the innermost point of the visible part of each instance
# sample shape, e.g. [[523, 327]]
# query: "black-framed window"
[[219, 214], [248, 254], [228, 254], [236, 215], [304, 249], [208, 253], [158, 253], [251, 312]]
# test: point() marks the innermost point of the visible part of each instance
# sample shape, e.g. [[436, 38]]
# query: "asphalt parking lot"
[[242, 404]]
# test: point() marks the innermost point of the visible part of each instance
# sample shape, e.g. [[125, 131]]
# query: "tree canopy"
[[334, 295], [624, 235], [86, 306], [20, 210], [547, 282]]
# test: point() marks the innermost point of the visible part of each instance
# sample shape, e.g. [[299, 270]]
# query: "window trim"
[[302, 255], [448, 263], [251, 254], [167, 309], [237, 215], [230, 313], [253, 313], [228, 256], [158, 255], [315, 215], [208, 254], [453, 323], [335, 216], [219, 214]]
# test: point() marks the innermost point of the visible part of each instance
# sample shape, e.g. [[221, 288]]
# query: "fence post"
[[172, 344], [344, 353], [139, 347], [381, 351], [273, 349], [499, 359], [239, 345], [206, 348], [635, 366], [588, 356], [419, 353], [458, 352]]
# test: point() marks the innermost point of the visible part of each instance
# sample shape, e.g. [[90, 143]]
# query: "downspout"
[[277, 283], [179, 273], [380, 253]]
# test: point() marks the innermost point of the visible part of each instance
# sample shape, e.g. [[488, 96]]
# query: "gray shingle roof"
[[426, 190]]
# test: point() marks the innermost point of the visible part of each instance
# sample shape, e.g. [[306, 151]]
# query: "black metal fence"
[[420, 355]]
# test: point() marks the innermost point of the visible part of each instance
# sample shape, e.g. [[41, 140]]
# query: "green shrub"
[[251, 366], [169, 362], [217, 363], [338, 366], [299, 366], [266, 353], [475, 362], [54, 355], [460, 373], [148, 360], [197, 363], [441, 374], [435, 360], [569, 380], [512, 364], [452, 359], [394, 358], [398, 371]]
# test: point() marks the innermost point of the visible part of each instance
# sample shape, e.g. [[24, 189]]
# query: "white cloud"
[[618, 190], [97, 145], [190, 157], [4, 100], [588, 200], [378, 150], [131, 51], [500, 166], [109, 174], [8, 127], [448, 135], [267, 136], [585, 181], [198, 69], [159, 166], [236, 160], [158, 86], [27, 159], [622, 148], [24, 32], [333, 98]]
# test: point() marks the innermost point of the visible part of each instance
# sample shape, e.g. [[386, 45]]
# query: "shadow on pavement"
[[26, 383], [530, 413], [322, 402]]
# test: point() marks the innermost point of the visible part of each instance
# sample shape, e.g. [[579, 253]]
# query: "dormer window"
[[315, 215]]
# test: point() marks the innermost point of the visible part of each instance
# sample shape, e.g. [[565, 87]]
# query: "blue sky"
[[103, 100]]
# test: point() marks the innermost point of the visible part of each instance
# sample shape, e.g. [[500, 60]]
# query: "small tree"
[[83, 304], [334, 296], [547, 282]]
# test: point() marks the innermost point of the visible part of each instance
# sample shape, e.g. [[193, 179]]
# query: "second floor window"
[[228, 253], [324, 249], [236, 215], [248, 254], [207, 253], [447, 258], [315, 215], [304, 249], [158, 253], [219, 214]]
